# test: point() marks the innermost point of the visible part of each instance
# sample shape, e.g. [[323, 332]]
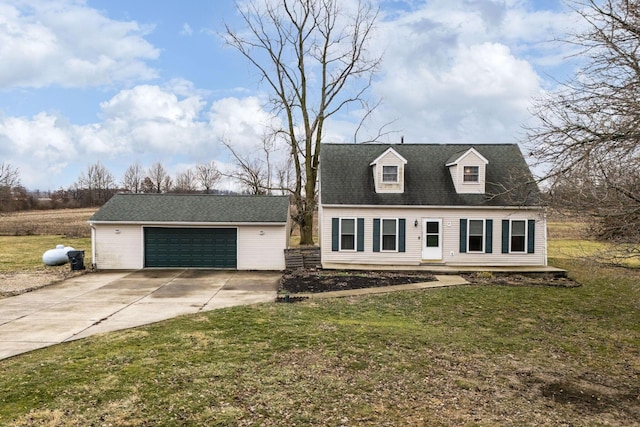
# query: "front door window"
[[432, 240]]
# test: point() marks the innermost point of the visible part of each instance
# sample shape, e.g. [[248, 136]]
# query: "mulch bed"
[[313, 281]]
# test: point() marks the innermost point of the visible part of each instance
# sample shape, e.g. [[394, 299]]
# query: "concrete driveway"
[[109, 301]]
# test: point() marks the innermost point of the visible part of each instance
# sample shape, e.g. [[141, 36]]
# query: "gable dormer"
[[468, 171], [388, 172]]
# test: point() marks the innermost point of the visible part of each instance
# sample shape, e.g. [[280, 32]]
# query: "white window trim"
[[397, 174], [484, 236], [382, 220], [477, 175], [355, 235], [526, 236]]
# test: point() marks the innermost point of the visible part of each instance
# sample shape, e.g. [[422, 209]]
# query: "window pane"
[[432, 241], [517, 243], [471, 174], [476, 227], [517, 228], [348, 226], [389, 173], [389, 243], [432, 227], [389, 226], [475, 243], [348, 241]]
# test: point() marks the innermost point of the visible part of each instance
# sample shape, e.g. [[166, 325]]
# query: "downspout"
[[546, 240], [93, 246]]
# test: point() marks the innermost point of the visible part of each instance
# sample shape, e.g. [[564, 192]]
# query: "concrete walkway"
[[110, 301]]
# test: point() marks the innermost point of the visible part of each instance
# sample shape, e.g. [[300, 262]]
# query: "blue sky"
[[145, 81]]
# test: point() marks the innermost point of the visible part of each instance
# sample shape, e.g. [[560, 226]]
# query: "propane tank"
[[57, 256]]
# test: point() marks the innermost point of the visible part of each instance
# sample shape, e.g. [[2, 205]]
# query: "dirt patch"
[[16, 283], [313, 281], [512, 279], [586, 394]]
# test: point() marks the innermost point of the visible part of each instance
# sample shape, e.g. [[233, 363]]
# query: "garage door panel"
[[191, 247]]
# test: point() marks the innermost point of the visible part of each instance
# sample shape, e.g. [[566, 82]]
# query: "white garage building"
[[133, 231]]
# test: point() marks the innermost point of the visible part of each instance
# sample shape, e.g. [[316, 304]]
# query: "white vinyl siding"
[[450, 236], [260, 247], [118, 247]]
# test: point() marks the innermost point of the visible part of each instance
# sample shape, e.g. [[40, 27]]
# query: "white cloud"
[[68, 44], [462, 70], [241, 121], [40, 147], [186, 30], [453, 71], [146, 123]]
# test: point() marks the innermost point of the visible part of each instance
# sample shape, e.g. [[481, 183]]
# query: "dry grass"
[[468, 356], [24, 253], [65, 222]]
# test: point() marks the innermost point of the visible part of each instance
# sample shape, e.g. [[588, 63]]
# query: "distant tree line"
[[96, 185]]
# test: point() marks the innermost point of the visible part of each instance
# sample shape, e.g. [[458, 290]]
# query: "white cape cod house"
[[429, 204]]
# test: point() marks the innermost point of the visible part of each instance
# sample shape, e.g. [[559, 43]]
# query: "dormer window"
[[471, 174], [468, 171], [389, 174]]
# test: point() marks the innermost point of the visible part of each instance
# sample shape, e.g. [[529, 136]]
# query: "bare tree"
[[159, 178], [95, 185], [186, 182], [589, 130], [9, 175], [250, 171], [9, 181], [313, 57], [148, 185], [207, 175], [133, 177]]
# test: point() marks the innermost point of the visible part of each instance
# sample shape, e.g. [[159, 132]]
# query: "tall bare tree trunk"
[[313, 57]]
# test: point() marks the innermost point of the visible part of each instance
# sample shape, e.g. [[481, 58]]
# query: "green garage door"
[[190, 247]]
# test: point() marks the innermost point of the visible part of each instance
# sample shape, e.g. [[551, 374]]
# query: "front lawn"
[[24, 253], [474, 356]]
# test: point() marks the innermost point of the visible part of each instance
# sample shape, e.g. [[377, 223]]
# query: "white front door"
[[431, 239]]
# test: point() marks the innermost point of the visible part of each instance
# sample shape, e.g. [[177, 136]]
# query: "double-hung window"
[[390, 174], [347, 234], [476, 235], [389, 234], [471, 174], [518, 236]]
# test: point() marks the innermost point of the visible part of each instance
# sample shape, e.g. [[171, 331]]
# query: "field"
[[25, 236], [65, 222], [470, 356]]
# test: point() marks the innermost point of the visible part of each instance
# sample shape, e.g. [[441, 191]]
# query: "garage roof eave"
[[189, 224]]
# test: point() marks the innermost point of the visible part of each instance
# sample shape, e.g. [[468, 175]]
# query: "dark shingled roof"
[[346, 177], [193, 208]]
